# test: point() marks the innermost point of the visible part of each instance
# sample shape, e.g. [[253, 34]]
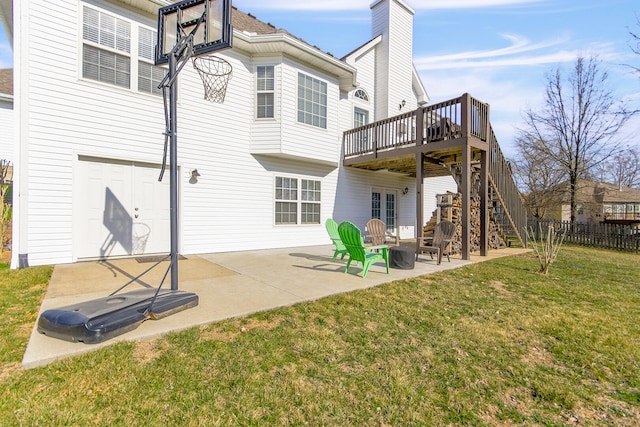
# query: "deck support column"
[[484, 205], [465, 190], [419, 199]]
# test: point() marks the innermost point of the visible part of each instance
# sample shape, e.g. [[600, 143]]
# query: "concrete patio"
[[228, 285]]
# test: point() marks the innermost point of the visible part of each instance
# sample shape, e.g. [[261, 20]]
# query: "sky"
[[499, 51]]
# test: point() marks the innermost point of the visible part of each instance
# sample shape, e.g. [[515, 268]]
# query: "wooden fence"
[[608, 236]]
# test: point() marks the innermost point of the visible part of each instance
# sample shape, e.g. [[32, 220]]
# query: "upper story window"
[[312, 101], [110, 47], [149, 76], [265, 91], [361, 94], [360, 117], [106, 57]]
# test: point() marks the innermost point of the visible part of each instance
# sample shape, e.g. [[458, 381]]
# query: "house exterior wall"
[[64, 119]]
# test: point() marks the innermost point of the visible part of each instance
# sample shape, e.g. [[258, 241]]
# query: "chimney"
[[393, 19]]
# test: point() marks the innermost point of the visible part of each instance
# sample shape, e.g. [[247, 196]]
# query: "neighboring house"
[[601, 202], [89, 126], [6, 114]]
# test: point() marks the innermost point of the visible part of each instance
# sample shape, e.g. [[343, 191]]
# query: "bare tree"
[[635, 44], [623, 169], [575, 127], [537, 177]]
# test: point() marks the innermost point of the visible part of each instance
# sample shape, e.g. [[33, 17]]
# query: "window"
[[265, 87], [286, 200], [360, 118], [293, 206], [376, 204], [310, 208], [361, 94], [312, 101], [109, 47], [149, 76], [383, 207], [107, 59]]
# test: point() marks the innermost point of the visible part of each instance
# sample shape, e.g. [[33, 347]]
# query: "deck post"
[[419, 121], [465, 115], [419, 199], [466, 201], [484, 206]]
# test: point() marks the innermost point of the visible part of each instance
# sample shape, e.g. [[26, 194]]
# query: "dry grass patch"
[[148, 351]]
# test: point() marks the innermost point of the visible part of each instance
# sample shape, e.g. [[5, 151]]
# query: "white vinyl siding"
[[312, 101], [66, 118], [284, 136]]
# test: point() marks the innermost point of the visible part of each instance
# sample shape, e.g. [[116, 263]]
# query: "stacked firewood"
[[450, 208]]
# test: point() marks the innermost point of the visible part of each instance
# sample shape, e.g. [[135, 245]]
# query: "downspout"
[[20, 230]]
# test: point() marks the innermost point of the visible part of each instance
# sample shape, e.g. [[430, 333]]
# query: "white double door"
[[384, 206], [120, 209]]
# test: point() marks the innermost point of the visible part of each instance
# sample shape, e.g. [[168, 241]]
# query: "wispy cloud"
[[469, 4], [364, 4], [520, 52]]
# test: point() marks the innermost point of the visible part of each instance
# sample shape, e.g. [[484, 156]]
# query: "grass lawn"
[[494, 343]]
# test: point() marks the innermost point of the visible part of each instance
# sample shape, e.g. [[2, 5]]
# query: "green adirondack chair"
[[352, 239], [332, 229]]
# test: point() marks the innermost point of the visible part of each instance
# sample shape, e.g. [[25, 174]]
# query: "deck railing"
[[514, 218], [382, 135], [461, 117]]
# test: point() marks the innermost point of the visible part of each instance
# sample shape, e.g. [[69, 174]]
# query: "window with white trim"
[[297, 201], [107, 45], [312, 101], [110, 44], [265, 91], [361, 94], [149, 75]]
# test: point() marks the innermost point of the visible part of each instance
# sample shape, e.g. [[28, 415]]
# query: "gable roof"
[[601, 192], [613, 194]]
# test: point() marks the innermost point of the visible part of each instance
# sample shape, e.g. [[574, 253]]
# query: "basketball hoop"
[[215, 73]]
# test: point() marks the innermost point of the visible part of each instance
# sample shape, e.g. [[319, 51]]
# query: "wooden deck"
[[450, 137], [439, 131]]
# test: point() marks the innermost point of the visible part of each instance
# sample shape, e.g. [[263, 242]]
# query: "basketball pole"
[[173, 169], [178, 57]]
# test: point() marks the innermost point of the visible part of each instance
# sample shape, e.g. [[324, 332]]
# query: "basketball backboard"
[[212, 33]]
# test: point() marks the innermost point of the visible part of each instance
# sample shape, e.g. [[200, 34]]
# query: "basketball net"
[[215, 73]]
